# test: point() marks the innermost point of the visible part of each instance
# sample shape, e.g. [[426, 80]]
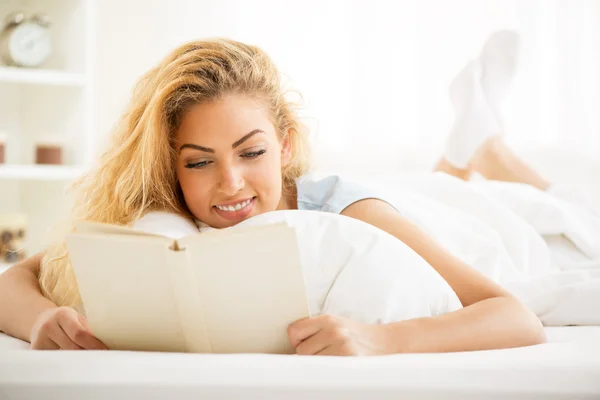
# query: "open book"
[[234, 290]]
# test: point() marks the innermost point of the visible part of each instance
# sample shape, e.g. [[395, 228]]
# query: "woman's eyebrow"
[[233, 146], [196, 147], [245, 137]]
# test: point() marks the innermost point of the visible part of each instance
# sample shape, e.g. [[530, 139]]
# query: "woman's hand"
[[63, 328], [339, 336]]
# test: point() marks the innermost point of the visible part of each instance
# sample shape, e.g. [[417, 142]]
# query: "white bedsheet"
[[542, 248], [566, 367]]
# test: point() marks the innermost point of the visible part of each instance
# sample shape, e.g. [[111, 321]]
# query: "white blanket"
[[544, 249]]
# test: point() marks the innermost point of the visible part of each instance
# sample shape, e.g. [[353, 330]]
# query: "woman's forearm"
[[499, 322], [21, 300]]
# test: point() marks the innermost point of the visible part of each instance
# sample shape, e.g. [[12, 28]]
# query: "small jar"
[[49, 150], [3, 138], [13, 229]]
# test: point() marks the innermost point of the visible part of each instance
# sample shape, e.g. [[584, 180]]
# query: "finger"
[[330, 351], [313, 345], [44, 343], [79, 334], [83, 321], [60, 337], [303, 329]]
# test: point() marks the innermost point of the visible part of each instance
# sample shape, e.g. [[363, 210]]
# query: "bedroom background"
[[374, 76]]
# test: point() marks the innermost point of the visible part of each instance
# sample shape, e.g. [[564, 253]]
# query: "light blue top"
[[331, 194]]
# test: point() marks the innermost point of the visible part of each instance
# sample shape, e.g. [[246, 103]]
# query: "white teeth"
[[236, 207]]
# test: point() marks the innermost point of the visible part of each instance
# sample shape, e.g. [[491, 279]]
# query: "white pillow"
[[354, 269]]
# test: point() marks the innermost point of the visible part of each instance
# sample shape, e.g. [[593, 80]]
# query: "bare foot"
[[444, 166]]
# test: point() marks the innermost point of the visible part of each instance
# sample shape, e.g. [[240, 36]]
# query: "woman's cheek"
[[262, 176], [194, 192]]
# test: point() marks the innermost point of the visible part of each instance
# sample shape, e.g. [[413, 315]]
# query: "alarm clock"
[[25, 42]]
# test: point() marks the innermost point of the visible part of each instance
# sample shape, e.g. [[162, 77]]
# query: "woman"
[[209, 134]]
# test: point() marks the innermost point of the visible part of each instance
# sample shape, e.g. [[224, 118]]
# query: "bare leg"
[[474, 143], [496, 161]]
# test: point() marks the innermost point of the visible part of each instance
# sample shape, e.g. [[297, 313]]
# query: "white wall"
[[374, 73]]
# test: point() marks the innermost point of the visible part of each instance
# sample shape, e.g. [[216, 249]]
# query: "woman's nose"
[[232, 181]]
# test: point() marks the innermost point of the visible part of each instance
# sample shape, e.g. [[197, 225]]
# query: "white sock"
[[474, 122], [499, 57]]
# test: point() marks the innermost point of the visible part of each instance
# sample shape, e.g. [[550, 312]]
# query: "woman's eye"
[[254, 154], [198, 165]]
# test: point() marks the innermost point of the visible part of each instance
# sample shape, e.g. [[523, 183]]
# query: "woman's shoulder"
[[331, 193]]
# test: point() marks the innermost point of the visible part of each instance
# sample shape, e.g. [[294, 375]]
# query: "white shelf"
[[41, 77], [40, 172]]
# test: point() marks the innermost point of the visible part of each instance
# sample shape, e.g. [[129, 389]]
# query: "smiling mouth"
[[236, 212], [235, 207]]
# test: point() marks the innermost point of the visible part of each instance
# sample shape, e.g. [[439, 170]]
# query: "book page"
[[152, 224], [90, 227], [250, 286], [126, 290], [187, 299]]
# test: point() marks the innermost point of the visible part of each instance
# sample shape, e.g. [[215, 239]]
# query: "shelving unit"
[[41, 172], [55, 100], [41, 77]]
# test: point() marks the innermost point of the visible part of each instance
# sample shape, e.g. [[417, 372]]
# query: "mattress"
[[568, 366]]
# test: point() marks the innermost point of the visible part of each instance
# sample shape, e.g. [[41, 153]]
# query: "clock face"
[[29, 45]]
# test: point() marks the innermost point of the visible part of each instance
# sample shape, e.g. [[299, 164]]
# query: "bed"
[[568, 366]]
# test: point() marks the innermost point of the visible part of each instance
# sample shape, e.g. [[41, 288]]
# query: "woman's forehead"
[[225, 118]]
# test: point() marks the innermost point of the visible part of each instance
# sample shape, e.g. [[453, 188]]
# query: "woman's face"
[[229, 160]]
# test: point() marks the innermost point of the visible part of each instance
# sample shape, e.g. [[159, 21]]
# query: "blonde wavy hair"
[[137, 172]]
